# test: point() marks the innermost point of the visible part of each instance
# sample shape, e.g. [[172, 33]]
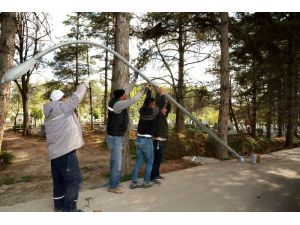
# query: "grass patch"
[[85, 178], [126, 178], [8, 181], [27, 178], [106, 175], [103, 145], [5, 159], [188, 143], [85, 169]]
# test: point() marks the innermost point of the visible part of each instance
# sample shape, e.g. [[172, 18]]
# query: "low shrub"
[[5, 159]]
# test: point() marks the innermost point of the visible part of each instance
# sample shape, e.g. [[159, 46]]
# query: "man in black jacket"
[[144, 145], [160, 135], [117, 123]]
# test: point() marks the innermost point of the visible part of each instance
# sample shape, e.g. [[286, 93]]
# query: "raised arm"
[[148, 95], [160, 98], [121, 105], [72, 103], [131, 84], [168, 107]]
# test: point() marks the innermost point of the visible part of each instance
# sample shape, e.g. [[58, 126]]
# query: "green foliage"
[[96, 114], [51, 86], [245, 145], [190, 142], [97, 99], [5, 159], [8, 181], [27, 178], [64, 63], [37, 114], [210, 115], [125, 177]]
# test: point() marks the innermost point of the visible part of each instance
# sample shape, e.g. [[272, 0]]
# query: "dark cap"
[[118, 93]]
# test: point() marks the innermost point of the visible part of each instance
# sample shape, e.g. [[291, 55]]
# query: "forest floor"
[[28, 177]]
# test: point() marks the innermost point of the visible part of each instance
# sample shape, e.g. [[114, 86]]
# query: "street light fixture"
[[18, 71]]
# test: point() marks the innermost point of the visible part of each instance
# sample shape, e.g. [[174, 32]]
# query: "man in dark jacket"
[[144, 145], [117, 123], [160, 135]]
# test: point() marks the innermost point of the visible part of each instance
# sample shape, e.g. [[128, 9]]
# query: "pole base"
[[241, 159]]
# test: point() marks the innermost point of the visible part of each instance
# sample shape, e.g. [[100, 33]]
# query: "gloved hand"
[[136, 75], [144, 89]]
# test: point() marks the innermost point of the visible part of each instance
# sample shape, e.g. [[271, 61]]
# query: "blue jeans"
[[158, 156], [66, 177], [115, 145], [144, 148]]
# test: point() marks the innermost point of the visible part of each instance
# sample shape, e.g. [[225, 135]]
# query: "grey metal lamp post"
[[19, 70]]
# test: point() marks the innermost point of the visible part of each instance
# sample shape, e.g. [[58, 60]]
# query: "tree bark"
[[269, 119], [77, 53], [253, 109], [222, 153], [105, 87], [232, 116], [180, 87], [120, 74], [7, 48], [90, 90], [281, 111], [291, 74], [24, 95]]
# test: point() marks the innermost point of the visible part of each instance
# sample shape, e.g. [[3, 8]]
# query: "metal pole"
[[15, 72]]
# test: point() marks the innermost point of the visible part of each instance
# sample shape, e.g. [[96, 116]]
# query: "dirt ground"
[[28, 177]]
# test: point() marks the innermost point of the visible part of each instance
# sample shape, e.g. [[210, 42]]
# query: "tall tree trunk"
[[281, 109], [24, 95], [91, 107], [180, 88], [90, 90], [254, 109], [77, 53], [15, 121], [106, 60], [269, 117], [232, 115], [222, 153], [296, 94], [7, 48], [105, 87], [120, 74], [291, 74]]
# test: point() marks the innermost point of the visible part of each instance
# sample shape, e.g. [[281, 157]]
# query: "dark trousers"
[[158, 147], [66, 177]]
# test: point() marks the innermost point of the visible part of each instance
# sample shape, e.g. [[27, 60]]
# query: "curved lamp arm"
[[19, 70]]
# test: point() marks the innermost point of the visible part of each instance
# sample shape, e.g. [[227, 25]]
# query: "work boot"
[[156, 182], [159, 178], [147, 184], [134, 185]]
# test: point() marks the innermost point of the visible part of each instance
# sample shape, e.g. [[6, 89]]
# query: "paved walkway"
[[273, 185]]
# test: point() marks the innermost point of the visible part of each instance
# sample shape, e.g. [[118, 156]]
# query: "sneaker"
[[133, 185], [147, 184], [120, 186], [156, 182], [115, 190], [159, 178]]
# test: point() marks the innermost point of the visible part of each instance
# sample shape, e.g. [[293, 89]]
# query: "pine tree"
[[120, 74], [7, 44]]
